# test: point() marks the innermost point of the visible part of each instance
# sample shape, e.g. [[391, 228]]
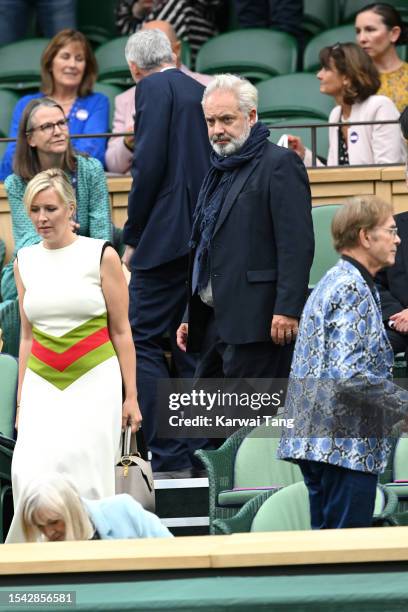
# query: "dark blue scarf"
[[212, 195]]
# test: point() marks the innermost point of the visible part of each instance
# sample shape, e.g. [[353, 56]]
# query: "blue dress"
[[88, 115]]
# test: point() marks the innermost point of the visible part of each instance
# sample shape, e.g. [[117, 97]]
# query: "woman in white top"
[[350, 77]]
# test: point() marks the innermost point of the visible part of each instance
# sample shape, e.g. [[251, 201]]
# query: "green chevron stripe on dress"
[[59, 344], [81, 366]]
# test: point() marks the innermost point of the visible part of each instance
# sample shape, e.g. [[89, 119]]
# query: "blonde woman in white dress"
[[76, 351]]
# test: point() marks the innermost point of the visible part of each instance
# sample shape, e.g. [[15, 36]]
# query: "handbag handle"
[[129, 442]]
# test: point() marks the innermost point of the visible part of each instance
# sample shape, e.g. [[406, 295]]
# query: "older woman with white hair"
[[53, 510]]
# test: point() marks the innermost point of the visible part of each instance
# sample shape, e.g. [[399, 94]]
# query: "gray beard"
[[234, 145]]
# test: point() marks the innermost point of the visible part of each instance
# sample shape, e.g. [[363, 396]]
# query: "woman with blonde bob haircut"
[[348, 75], [54, 511], [76, 351]]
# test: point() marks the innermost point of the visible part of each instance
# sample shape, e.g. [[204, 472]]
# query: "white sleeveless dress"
[[71, 399]]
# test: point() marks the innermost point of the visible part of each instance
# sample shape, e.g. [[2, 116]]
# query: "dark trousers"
[[339, 498], [157, 302], [254, 360], [284, 15]]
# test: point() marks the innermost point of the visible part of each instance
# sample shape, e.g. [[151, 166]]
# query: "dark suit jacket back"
[[170, 161], [262, 250], [393, 282]]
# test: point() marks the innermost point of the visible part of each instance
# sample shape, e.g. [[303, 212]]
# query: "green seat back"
[[305, 133], [400, 461], [96, 20], [351, 7], [286, 510], [342, 34], [20, 63], [293, 95], [325, 255], [8, 386], [110, 91], [256, 464], [256, 53], [289, 509], [185, 53], [319, 15], [8, 100], [112, 64]]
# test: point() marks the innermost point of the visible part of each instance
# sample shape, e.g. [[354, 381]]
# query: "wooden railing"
[[328, 185]]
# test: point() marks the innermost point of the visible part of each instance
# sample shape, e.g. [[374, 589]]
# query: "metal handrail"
[[312, 126]]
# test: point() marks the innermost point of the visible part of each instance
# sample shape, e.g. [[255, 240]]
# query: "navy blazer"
[[262, 250], [170, 161], [393, 282]]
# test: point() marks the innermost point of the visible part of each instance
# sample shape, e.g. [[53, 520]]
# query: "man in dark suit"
[[393, 287], [169, 164], [252, 243]]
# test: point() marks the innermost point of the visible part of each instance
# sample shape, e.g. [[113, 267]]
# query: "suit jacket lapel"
[[403, 231], [235, 190]]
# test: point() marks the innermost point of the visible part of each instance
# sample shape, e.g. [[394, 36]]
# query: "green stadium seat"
[[8, 100], [112, 64], [293, 95], [319, 15], [289, 510], [257, 54], [342, 34], [110, 91], [8, 386], [322, 134], [245, 467], [325, 255], [186, 53], [351, 7], [20, 64], [96, 20]]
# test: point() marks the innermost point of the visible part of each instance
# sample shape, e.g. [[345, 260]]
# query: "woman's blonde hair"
[[53, 178], [55, 494], [360, 212]]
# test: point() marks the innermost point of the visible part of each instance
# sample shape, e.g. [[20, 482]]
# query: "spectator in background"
[[193, 20], [52, 510], [68, 74], [350, 77], [379, 29], [393, 282], [285, 15], [119, 153], [52, 16], [169, 163], [43, 142]]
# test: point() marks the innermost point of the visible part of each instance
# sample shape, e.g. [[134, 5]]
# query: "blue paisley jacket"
[[341, 377]]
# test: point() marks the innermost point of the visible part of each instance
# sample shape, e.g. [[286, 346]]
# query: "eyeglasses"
[[390, 230], [48, 128]]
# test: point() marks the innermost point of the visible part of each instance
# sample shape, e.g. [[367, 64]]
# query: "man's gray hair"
[[149, 49], [245, 92]]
